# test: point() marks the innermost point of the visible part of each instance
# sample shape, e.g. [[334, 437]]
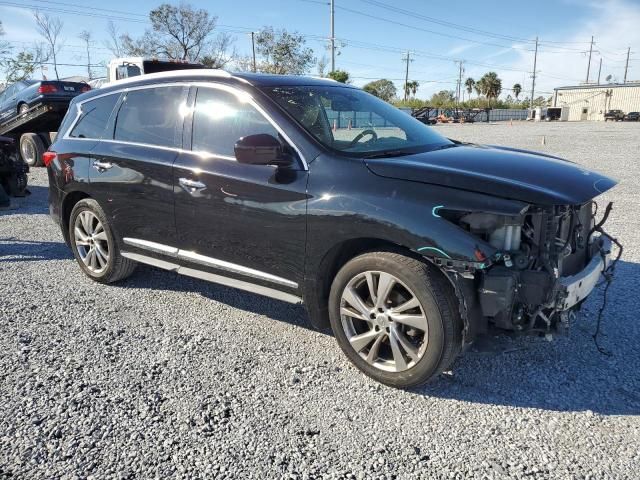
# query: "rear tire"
[[31, 149], [22, 108], [94, 245], [415, 332]]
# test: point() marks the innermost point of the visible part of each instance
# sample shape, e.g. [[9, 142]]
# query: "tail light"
[[47, 88], [48, 157], [84, 89]]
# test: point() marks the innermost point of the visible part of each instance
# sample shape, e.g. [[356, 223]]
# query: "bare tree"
[[85, 36], [5, 47], [114, 43], [181, 33], [50, 28], [220, 53], [322, 65]]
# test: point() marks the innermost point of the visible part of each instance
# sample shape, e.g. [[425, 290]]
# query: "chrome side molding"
[[234, 268], [211, 277], [207, 261], [151, 246]]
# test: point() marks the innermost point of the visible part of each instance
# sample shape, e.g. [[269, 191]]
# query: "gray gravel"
[[166, 376]]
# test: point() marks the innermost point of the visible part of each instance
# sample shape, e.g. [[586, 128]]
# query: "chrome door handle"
[[191, 184], [101, 166]]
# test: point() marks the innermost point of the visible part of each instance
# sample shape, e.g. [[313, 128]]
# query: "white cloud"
[[614, 25], [459, 49]]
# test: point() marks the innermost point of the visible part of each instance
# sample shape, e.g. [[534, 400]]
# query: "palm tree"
[[491, 85], [411, 88], [470, 83], [517, 88], [414, 87]]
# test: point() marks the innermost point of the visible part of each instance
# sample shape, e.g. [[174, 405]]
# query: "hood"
[[509, 173]]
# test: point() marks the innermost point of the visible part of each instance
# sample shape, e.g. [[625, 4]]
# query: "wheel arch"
[[70, 200], [318, 285]]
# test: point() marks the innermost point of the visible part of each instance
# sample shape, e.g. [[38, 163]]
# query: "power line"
[[445, 23], [413, 27], [92, 8]]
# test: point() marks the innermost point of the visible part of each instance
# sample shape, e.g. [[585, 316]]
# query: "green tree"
[[19, 67], [470, 83], [383, 88], [490, 85], [517, 88], [283, 52], [339, 76], [444, 98], [23, 64]]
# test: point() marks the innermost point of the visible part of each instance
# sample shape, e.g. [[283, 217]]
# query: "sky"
[[374, 36]]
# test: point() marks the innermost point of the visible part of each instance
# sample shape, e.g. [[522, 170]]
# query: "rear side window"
[[94, 117], [151, 116], [221, 119]]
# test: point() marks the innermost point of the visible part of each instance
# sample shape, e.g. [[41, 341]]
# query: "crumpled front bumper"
[[575, 288]]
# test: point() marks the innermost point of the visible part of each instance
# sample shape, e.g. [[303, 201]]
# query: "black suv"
[[407, 243]]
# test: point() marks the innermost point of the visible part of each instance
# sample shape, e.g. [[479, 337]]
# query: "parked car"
[[19, 97], [632, 117], [614, 115], [406, 243]]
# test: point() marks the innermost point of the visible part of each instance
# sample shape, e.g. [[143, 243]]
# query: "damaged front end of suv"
[[527, 256], [546, 260]]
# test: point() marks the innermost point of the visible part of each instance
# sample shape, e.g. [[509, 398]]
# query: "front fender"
[[401, 212]]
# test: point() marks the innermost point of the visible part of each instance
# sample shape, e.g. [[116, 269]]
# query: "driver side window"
[[220, 119]]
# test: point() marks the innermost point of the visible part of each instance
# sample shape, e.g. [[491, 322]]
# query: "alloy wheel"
[[91, 241], [384, 321]]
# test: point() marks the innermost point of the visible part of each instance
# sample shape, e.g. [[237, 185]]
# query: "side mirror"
[[261, 149]]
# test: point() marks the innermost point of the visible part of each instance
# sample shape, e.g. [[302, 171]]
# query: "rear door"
[[244, 221], [131, 176]]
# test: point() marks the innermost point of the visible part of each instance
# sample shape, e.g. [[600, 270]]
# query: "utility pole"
[[459, 85], [599, 70], [253, 48], [589, 64], [406, 75], [533, 77], [333, 38], [626, 65]]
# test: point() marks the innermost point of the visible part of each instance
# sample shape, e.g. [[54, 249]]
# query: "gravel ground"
[[166, 376]]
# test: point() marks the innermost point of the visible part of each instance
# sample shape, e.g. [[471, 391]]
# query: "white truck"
[[125, 67]]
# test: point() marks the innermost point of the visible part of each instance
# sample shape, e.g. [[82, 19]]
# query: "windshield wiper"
[[388, 153]]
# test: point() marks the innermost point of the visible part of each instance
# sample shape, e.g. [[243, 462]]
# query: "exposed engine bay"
[[547, 261]]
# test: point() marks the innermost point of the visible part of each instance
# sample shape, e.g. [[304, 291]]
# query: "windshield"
[[354, 122]]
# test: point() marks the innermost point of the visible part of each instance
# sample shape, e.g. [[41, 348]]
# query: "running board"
[[215, 278]]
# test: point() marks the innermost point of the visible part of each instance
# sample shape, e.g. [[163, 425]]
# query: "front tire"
[[396, 318], [94, 246]]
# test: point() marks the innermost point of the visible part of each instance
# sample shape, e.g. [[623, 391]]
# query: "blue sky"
[[487, 36]]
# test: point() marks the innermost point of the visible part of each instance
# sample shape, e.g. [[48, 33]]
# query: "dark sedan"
[[632, 117], [21, 96]]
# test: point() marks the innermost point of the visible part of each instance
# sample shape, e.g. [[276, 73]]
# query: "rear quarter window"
[[94, 117]]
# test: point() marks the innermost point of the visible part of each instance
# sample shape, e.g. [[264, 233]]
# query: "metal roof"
[[600, 85]]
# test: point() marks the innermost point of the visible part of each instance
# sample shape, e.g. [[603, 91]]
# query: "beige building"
[[590, 102]]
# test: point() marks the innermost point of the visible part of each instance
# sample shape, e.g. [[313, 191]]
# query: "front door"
[[584, 114], [243, 221]]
